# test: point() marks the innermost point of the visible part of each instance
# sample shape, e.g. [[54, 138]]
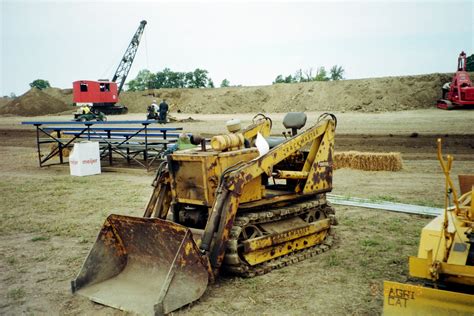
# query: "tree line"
[[335, 73], [170, 79], [199, 78]]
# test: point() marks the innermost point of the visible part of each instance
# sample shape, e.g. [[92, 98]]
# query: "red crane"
[[103, 94]]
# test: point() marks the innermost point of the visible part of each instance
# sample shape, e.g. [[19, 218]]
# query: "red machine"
[[460, 91], [88, 91], [103, 94]]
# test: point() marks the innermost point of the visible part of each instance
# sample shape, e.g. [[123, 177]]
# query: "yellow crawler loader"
[[227, 206], [445, 260]]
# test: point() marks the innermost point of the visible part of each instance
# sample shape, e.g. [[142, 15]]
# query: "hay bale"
[[54, 146], [368, 161]]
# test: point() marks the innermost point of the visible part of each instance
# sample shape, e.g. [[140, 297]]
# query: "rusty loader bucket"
[[143, 265]]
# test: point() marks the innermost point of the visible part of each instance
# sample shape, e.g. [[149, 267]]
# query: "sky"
[[248, 43]]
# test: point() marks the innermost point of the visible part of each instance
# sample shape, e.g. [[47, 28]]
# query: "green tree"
[[142, 81], [199, 78], [189, 77], [279, 79], [170, 79], [160, 80], [289, 79], [321, 74], [225, 83], [336, 73], [176, 79], [40, 84], [210, 83]]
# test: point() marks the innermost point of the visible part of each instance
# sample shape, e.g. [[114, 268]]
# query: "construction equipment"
[[229, 207], [460, 91], [470, 63], [91, 116], [445, 258], [103, 94]]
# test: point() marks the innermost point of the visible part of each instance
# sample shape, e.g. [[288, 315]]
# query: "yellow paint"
[[407, 299], [262, 126], [420, 268], [321, 164], [442, 257], [198, 175], [188, 247], [285, 174], [267, 241], [262, 255]]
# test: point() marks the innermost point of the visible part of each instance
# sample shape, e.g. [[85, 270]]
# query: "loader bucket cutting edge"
[[143, 265], [408, 299]]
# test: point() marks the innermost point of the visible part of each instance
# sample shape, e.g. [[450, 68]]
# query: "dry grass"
[[54, 146], [50, 220], [371, 246], [368, 161]]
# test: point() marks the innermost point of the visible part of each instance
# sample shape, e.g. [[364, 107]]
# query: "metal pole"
[[145, 154], [110, 147], [38, 144], [60, 146], [164, 137]]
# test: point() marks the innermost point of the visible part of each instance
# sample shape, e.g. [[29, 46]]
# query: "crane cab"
[[88, 91]]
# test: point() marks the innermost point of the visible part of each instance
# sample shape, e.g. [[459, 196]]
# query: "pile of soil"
[[362, 95], [4, 101], [34, 103], [64, 95]]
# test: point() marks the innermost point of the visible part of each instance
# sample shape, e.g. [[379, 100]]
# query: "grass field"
[[50, 220]]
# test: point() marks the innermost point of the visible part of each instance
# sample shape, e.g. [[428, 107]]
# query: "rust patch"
[[212, 165]]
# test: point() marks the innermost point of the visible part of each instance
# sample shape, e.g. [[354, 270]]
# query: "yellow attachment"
[[442, 258], [430, 262], [227, 141], [454, 273], [407, 299]]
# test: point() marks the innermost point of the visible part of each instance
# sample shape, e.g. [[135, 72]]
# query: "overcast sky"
[[249, 43]]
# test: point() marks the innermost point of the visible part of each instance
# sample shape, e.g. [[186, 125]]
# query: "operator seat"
[[293, 120]]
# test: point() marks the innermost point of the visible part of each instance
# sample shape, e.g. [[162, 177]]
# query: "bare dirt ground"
[[50, 219]]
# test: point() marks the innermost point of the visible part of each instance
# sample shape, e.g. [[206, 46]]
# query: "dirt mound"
[[4, 101], [361, 95], [34, 103], [64, 95], [364, 95]]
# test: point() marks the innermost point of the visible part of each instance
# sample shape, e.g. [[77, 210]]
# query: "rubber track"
[[246, 270]]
